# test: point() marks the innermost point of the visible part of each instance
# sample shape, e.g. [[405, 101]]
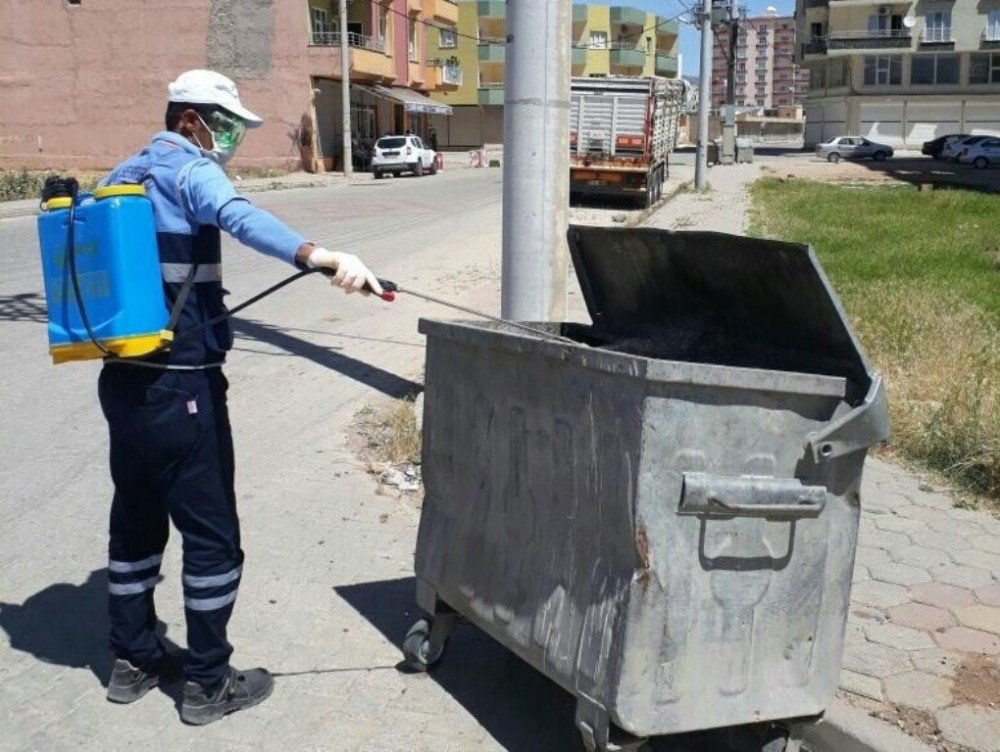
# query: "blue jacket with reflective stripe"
[[192, 199]]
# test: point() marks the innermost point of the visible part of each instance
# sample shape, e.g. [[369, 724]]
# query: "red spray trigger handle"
[[389, 289]]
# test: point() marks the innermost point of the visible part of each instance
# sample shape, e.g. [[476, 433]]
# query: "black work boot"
[[129, 683], [241, 689]]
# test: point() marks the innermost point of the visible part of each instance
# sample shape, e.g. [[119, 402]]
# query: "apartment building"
[[766, 74], [606, 40], [84, 82], [903, 72]]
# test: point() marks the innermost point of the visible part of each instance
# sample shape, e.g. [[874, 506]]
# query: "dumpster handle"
[[728, 496], [865, 425]]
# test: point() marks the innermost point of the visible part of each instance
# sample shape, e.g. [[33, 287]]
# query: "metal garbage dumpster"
[[661, 518], [744, 150]]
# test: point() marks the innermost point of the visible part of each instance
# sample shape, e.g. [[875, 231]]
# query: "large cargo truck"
[[622, 130]]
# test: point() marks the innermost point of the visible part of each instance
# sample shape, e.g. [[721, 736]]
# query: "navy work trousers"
[[171, 459]]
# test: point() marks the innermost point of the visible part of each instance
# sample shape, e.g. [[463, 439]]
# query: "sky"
[[690, 37]]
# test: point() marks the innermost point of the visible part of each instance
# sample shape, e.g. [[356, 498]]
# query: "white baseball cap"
[[209, 87]]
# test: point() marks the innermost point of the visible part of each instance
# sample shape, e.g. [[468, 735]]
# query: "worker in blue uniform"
[[171, 441]]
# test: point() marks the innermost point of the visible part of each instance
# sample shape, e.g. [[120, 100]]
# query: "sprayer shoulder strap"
[[182, 296]]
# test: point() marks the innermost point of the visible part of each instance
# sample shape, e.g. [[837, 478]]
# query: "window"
[[838, 73], [414, 40], [320, 21], [816, 30], [884, 25], [883, 70], [383, 27], [937, 26], [598, 40], [984, 68], [934, 69], [817, 76], [449, 40], [993, 26]]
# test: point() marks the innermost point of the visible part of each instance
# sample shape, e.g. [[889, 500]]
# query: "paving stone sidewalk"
[[923, 638]]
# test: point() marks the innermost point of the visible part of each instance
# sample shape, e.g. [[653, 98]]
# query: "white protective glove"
[[350, 272]]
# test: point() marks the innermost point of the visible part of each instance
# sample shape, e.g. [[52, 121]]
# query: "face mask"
[[227, 134]]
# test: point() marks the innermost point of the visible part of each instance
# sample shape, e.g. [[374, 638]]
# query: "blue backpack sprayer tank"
[[102, 272]]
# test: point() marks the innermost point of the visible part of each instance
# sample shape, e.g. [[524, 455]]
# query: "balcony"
[[937, 36], [491, 92], [622, 14], [492, 51], [627, 54], [666, 65], [815, 46], [667, 27], [445, 11], [491, 9], [368, 57], [991, 38], [869, 39]]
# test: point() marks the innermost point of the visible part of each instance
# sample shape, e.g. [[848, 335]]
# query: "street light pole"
[[345, 90], [536, 160], [704, 97]]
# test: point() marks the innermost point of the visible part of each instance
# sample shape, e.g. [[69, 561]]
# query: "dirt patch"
[[977, 682], [387, 439]]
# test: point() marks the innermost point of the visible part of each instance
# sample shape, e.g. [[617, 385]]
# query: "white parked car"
[[982, 153], [954, 148], [399, 154]]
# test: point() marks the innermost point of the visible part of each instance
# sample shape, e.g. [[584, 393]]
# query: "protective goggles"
[[227, 129]]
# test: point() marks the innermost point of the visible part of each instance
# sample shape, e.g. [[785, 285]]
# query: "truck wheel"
[[418, 169]]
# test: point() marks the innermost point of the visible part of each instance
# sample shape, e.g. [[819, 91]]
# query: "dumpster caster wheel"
[[425, 642]]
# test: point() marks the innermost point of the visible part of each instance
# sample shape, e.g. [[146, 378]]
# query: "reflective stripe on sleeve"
[[213, 580], [209, 604], [134, 566]]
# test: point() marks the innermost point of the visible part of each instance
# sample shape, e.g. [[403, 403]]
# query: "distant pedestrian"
[[432, 139]]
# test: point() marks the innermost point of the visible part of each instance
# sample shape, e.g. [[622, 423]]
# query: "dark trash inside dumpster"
[[663, 518]]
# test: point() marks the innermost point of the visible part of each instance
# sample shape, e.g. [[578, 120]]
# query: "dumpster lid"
[[715, 298]]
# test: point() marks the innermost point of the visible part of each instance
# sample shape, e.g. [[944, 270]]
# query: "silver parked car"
[[852, 147]]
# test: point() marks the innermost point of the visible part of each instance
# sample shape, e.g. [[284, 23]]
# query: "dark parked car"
[[934, 147]]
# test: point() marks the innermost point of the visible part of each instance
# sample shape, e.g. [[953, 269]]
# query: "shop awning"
[[412, 100]]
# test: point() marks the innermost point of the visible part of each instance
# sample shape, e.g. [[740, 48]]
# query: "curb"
[[14, 209], [844, 728]]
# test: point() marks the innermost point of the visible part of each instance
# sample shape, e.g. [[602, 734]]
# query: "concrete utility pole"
[[729, 128], [536, 160], [704, 97], [345, 90]]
